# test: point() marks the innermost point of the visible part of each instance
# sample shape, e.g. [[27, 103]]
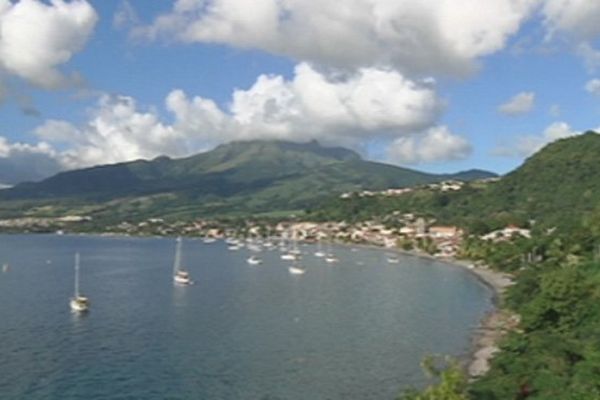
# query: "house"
[[444, 232]]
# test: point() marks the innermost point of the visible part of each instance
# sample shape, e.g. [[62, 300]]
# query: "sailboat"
[[254, 260], [392, 259], [78, 302], [295, 269], [330, 257], [180, 275], [319, 252]]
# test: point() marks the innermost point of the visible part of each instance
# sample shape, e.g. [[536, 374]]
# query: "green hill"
[[557, 186], [239, 177]]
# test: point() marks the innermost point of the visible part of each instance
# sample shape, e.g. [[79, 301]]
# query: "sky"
[[435, 85]]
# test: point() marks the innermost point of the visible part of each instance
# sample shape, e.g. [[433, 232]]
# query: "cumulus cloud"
[[117, 131], [593, 86], [353, 110], [521, 103], [575, 17], [125, 16], [415, 36], [576, 20], [526, 145], [312, 106], [37, 38], [437, 144], [24, 162]]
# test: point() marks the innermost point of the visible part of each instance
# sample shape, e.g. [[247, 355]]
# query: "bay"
[[357, 329]]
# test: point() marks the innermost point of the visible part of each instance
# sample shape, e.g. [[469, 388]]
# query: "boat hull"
[[79, 304]]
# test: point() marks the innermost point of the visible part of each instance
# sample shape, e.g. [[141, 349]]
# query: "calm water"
[[354, 330]]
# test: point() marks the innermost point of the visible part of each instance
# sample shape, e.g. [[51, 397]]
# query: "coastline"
[[494, 324], [491, 328]]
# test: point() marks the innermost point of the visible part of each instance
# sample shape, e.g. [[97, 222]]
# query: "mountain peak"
[[264, 147]]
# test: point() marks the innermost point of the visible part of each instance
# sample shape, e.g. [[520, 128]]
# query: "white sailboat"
[[254, 260], [180, 275], [319, 252], [78, 302], [294, 253], [393, 259], [296, 270], [330, 257], [295, 250]]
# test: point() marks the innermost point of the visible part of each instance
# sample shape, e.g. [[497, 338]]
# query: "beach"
[[495, 324]]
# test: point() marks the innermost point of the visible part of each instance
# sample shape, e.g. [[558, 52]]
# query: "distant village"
[[409, 231]]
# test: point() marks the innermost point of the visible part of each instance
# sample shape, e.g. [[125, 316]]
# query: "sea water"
[[357, 329]]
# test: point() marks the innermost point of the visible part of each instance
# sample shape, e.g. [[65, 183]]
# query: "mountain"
[[239, 177], [557, 186]]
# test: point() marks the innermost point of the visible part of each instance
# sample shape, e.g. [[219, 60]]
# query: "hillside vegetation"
[[554, 352], [238, 178], [558, 186]]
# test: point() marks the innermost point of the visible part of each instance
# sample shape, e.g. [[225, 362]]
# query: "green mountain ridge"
[[250, 176], [557, 186]]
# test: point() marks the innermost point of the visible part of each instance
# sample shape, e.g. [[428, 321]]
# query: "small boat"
[[254, 247], [209, 240], [289, 257], [296, 270], [253, 260], [78, 303], [5, 267], [393, 260], [330, 258], [180, 275], [234, 247]]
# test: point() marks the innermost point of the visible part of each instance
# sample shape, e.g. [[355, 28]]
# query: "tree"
[[452, 382]]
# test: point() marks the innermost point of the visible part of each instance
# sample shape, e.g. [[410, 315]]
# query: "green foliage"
[[239, 178], [451, 382], [555, 351]]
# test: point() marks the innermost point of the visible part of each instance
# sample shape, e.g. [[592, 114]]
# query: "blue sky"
[[434, 85]]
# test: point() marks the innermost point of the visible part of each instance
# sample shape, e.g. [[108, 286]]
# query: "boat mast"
[[177, 256], [76, 275]]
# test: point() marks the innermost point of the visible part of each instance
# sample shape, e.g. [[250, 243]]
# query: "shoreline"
[[493, 325]]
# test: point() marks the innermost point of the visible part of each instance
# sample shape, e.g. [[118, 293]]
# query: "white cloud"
[[37, 38], [413, 36], [526, 145], [24, 162], [370, 105], [577, 20], [521, 103], [593, 86], [437, 144], [117, 131], [590, 56], [575, 17], [372, 102], [125, 15]]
